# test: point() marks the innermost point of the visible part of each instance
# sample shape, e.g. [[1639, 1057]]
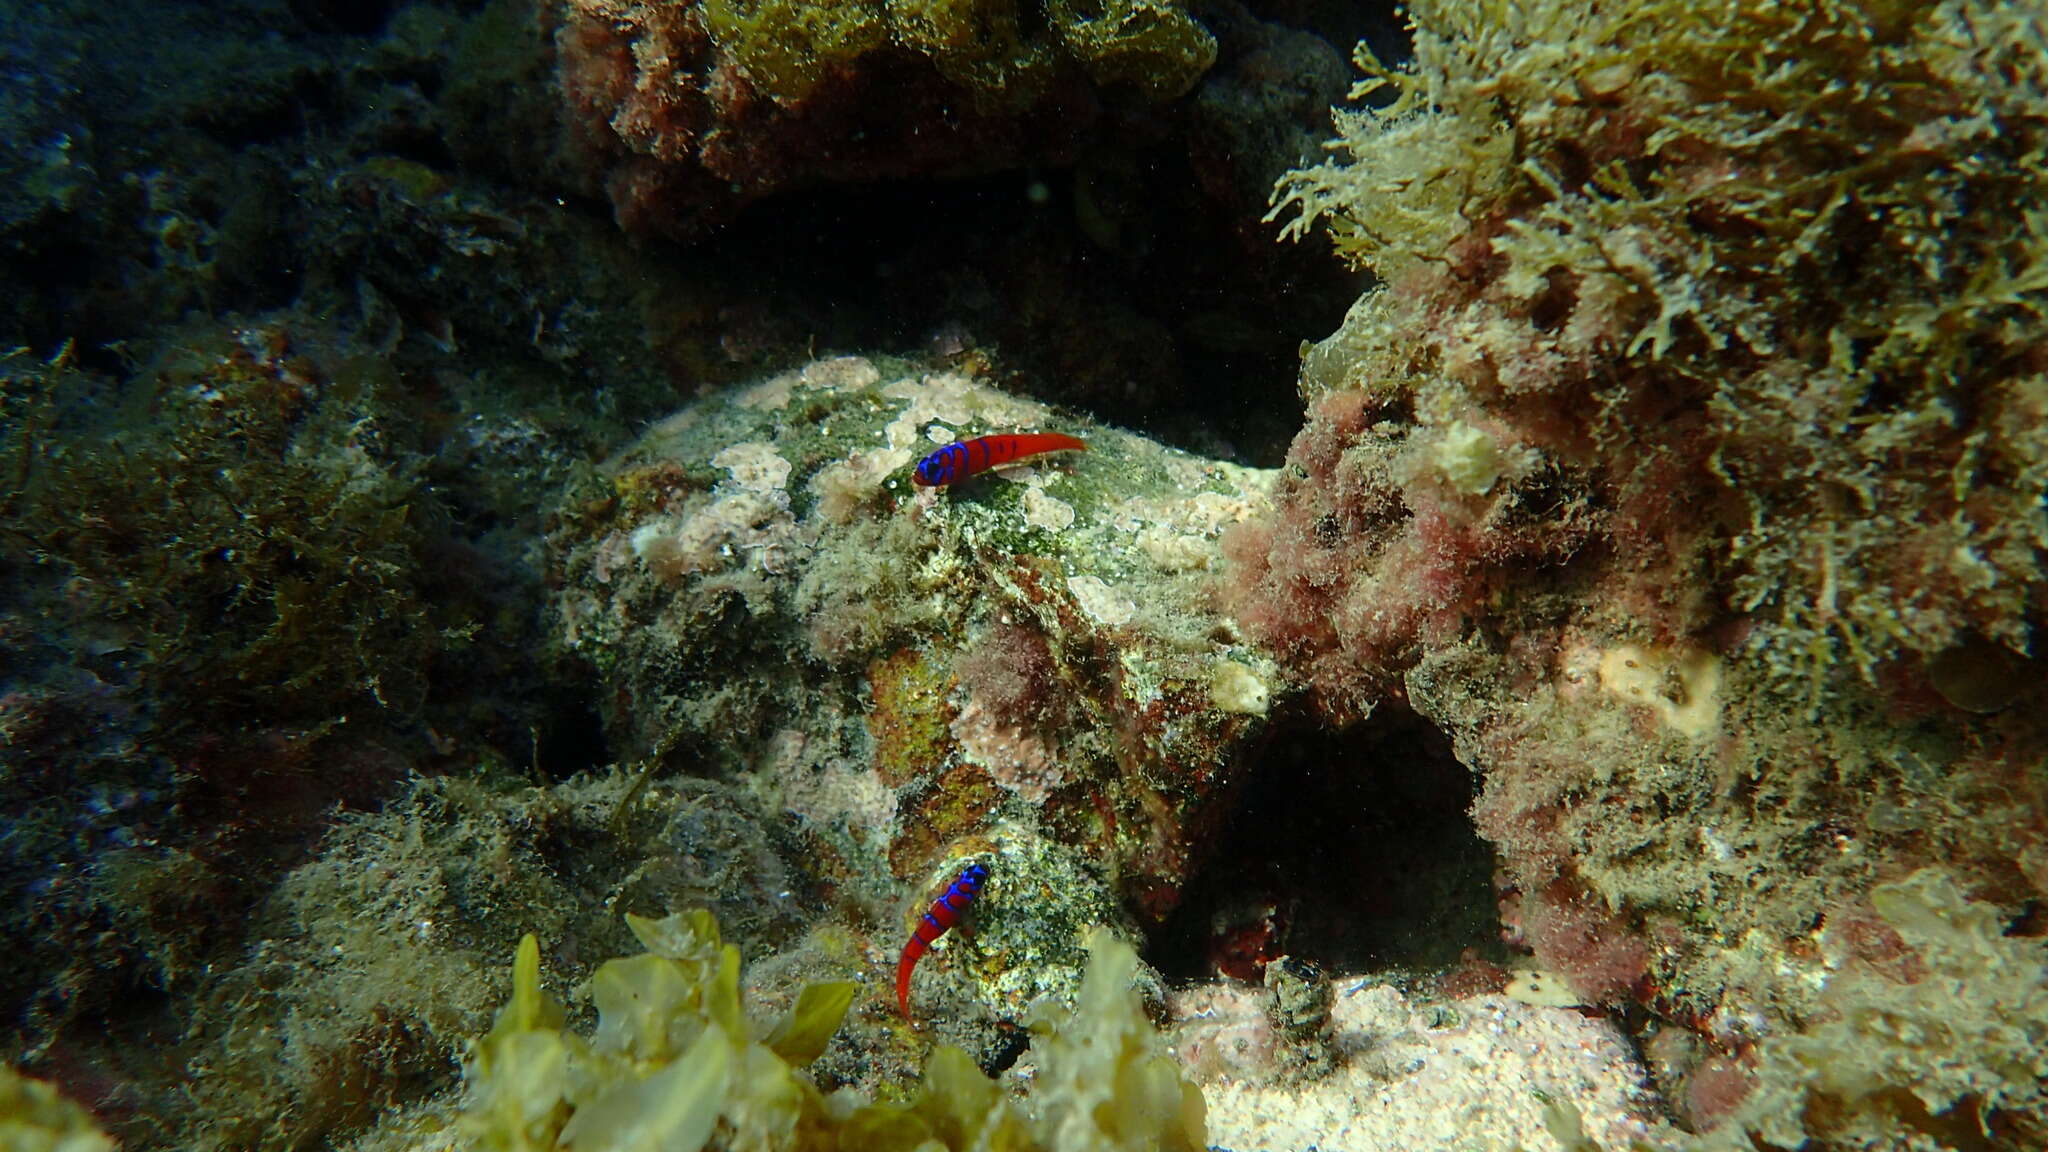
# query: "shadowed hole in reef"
[[1353, 850]]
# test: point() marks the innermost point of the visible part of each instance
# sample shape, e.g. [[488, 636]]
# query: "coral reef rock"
[[1025, 668], [1684, 465], [682, 111]]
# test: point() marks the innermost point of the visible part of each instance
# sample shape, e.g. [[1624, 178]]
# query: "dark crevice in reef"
[[571, 739], [1353, 850]]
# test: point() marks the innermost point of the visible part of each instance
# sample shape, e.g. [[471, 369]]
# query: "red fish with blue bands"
[[943, 914], [964, 458]]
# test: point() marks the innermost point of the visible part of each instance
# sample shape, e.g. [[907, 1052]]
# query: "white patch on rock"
[[770, 395], [1682, 686], [1236, 688], [841, 374], [1048, 513], [846, 487], [743, 529], [1468, 458], [956, 402], [1541, 988], [1102, 603], [1172, 551], [755, 466]]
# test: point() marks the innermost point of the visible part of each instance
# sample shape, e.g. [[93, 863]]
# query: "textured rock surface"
[[1442, 1076], [1024, 669], [684, 111], [1677, 470]]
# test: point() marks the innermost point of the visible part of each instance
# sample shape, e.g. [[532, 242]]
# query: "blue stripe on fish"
[[943, 914]]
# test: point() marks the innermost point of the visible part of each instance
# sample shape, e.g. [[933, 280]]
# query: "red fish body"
[[943, 914], [964, 458]]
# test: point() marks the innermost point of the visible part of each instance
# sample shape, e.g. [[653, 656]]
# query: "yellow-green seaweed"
[[673, 1064], [35, 1117]]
